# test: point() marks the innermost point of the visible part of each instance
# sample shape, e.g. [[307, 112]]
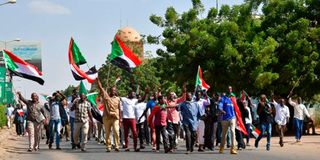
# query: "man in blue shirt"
[[228, 120], [190, 112]]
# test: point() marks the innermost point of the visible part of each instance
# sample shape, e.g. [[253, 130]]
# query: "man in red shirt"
[[159, 113]]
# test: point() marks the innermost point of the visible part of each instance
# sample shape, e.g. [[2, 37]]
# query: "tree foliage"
[[235, 46]]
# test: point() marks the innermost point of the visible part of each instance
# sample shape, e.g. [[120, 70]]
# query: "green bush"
[[2, 115]]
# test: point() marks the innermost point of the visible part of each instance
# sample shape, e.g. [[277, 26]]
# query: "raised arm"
[[291, 102], [102, 90], [21, 98]]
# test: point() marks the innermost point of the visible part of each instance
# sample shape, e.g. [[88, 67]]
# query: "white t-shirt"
[[138, 110], [249, 118], [9, 111], [128, 107]]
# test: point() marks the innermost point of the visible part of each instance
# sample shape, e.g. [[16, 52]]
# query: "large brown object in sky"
[[132, 40]]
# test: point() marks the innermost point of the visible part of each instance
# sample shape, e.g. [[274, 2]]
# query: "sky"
[[92, 24]]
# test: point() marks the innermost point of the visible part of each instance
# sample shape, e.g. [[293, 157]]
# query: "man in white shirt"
[[281, 118], [300, 111], [139, 108], [9, 113], [129, 119]]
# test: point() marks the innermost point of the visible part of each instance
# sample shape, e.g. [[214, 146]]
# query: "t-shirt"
[[150, 105], [113, 106], [138, 110], [55, 110], [128, 107]]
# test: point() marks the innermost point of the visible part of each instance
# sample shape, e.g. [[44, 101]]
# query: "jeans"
[[265, 127], [19, 128], [55, 129], [72, 129], [248, 128], [298, 128]]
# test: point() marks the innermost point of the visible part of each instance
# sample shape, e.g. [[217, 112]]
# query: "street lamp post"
[[9, 2]]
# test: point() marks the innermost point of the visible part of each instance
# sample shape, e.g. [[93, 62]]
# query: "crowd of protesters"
[[155, 118]]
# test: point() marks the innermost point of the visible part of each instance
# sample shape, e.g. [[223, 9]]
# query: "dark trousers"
[[161, 130], [19, 128], [146, 132], [239, 138], [209, 133], [173, 131], [219, 132], [191, 136], [248, 128], [141, 133]]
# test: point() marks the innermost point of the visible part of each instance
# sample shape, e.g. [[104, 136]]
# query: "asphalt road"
[[16, 148]]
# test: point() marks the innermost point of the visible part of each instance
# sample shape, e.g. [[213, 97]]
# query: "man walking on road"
[[81, 123], [190, 112], [111, 115], [300, 111], [35, 116], [281, 118]]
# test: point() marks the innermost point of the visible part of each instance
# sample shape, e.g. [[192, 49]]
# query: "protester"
[[190, 112], [129, 120], [174, 117], [139, 108], [248, 120], [56, 113], [211, 123], [281, 118], [81, 122], [228, 120], [35, 116], [265, 113], [111, 115], [19, 117], [10, 115], [203, 101], [300, 111], [72, 117], [159, 113]]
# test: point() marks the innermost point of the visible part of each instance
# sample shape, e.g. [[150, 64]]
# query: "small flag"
[[255, 131], [200, 82]]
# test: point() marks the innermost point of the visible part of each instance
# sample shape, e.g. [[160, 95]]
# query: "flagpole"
[[295, 85], [109, 68]]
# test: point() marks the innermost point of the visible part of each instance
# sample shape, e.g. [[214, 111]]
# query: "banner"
[[30, 51], [2, 84]]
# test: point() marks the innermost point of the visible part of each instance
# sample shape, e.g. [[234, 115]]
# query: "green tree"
[[234, 46]]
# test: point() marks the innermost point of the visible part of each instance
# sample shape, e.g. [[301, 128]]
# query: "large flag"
[[75, 60], [92, 98], [82, 88], [21, 68], [200, 82], [122, 56], [240, 125]]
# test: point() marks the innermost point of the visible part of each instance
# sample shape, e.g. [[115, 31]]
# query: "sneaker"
[[137, 150], [29, 150], [127, 150], [142, 147], [108, 150], [58, 148], [200, 150], [50, 145], [221, 150], [233, 151], [83, 149], [117, 150]]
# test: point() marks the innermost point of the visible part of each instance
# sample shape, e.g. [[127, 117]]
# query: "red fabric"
[[242, 128], [150, 117], [132, 124], [128, 53]]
